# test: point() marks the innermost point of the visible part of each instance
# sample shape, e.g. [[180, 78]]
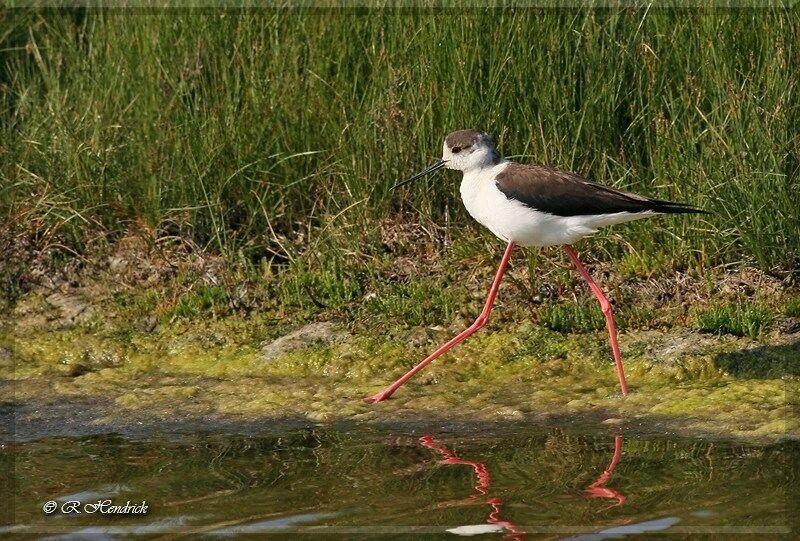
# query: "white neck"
[[478, 168]]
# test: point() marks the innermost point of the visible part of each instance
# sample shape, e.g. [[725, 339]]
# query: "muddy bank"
[[198, 376], [153, 341]]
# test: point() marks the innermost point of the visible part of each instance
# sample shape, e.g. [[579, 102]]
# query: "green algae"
[[215, 368]]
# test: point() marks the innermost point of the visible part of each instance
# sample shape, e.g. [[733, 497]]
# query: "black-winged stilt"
[[533, 205]]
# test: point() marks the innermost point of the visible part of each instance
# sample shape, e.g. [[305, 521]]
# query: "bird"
[[533, 206]]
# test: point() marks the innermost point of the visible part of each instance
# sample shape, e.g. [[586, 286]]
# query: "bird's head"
[[463, 150]]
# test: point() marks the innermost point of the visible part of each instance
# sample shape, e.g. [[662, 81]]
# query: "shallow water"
[[379, 483]]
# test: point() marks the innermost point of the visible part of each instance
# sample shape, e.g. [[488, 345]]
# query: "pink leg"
[[605, 306], [598, 488], [480, 322]]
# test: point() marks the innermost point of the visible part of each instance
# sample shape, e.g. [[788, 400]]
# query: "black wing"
[[566, 194]]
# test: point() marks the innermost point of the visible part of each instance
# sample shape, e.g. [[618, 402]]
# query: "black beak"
[[428, 170]]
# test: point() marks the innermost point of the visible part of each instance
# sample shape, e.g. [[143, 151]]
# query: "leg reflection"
[[482, 488], [598, 488]]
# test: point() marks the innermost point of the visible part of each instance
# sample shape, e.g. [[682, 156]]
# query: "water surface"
[[379, 483]]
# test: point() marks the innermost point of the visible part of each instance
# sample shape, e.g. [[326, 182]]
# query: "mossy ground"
[[159, 334], [680, 380]]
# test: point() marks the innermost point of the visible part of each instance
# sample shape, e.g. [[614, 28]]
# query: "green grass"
[[204, 300], [272, 136], [791, 307], [417, 303], [740, 319], [330, 283], [575, 317], [648, 264]]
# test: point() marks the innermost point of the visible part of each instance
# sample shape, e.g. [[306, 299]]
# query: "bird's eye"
[[456, 150]]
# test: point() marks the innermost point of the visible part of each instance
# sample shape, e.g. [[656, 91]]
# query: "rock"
[[792, 326], [670, 349], [146, 324], [72, 309], [6, 357], [116, 264], [313, 334], [73, 370], [509, 413], [418, 338]]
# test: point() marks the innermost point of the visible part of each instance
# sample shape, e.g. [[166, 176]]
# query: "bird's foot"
[[379, 397]]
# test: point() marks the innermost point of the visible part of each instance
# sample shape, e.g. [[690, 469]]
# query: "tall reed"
[[254, 130]]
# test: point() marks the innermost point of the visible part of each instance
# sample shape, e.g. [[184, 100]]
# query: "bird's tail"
[[670, 207]]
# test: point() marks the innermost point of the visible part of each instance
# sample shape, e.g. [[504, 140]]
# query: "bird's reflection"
[[481, 473], [598, 488], [483, 483]]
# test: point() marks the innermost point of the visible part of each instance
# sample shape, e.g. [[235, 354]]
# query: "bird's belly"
[[512, 221]]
